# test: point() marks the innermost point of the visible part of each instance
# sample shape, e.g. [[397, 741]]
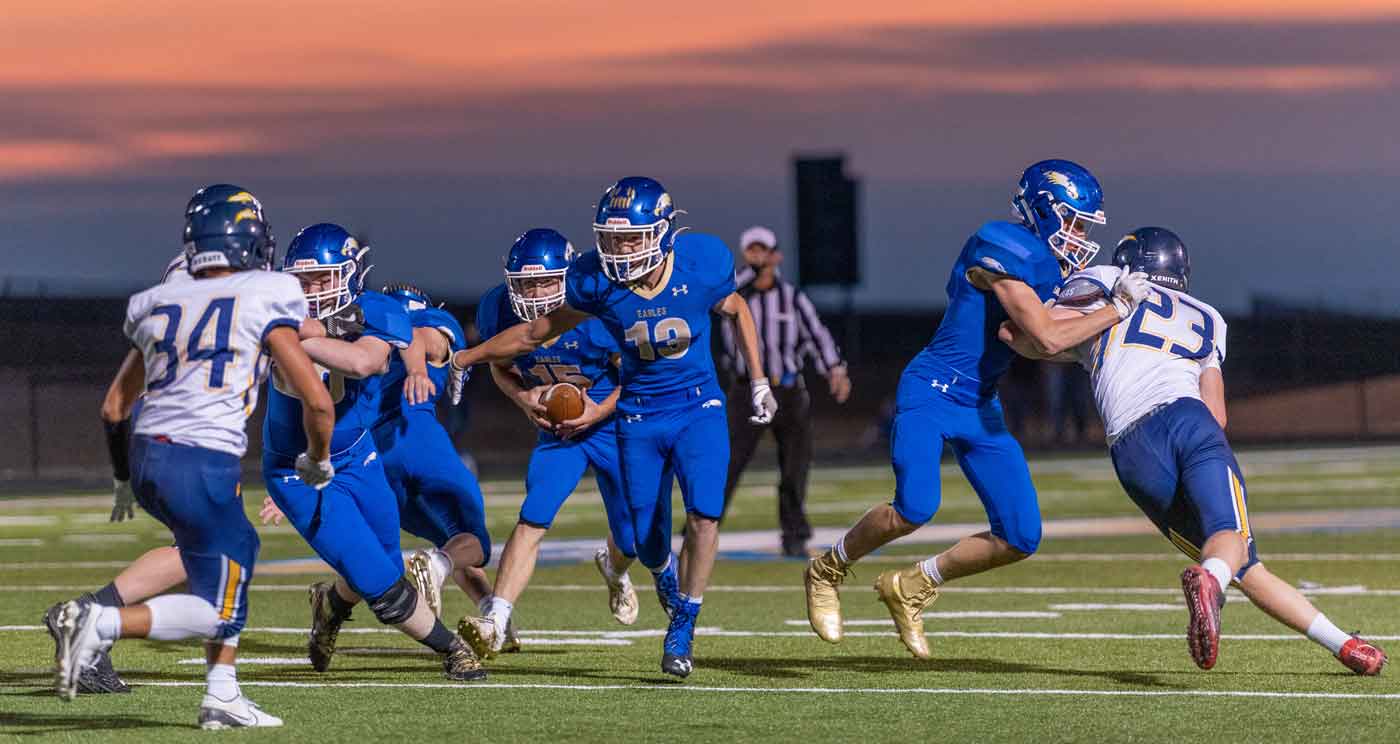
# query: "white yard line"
[[1126, 607], [468, 686]]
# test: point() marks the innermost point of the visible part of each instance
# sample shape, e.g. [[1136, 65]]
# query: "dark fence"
[[58, 355]]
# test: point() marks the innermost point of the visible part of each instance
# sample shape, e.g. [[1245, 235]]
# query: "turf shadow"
[[802, 668], [54, 724]]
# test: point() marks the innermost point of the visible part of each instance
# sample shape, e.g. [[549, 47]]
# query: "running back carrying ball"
[[563, 402]]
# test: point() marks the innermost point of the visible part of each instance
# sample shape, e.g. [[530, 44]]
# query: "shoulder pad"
[[1007, 249], [585, 285], [385, 318], [489, 320], [1093, 283], [440, 320]]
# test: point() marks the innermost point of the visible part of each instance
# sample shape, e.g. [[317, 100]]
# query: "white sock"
[[484, 606], [1220, 570], [930, 567], [175, 617], [500, 612], [840, 549], [697, 599], [442, 561], [109, 623], [1330, 636], [223, 681]]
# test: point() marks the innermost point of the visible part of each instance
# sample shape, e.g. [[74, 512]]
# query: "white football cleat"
[[622, 597], [78, 645], [423, 574], [240, 712]]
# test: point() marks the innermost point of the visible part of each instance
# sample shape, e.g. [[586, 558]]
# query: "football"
[[562, 402]]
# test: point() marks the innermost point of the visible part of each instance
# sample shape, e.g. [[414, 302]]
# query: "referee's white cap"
[[758, 234]]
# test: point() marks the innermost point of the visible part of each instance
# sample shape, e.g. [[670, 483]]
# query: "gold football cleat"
[[420, 575], [480, 634], [906, 594], [823, 581]]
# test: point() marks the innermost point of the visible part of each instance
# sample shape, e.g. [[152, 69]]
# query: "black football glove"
[[346, 324]]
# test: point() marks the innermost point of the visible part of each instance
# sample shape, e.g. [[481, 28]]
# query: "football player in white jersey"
[[1157, 382], [158, 569], [205, 346]]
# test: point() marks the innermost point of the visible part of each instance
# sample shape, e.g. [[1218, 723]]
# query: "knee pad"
[[396, 604]]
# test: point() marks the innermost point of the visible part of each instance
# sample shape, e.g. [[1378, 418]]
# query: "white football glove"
[[124, 501], [315, 474], [765, 406], [1129, 292], [457, 379]]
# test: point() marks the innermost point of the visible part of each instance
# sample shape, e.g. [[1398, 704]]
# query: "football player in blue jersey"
[[947, 396], [584, 356], [654, 289], [439, 498], [352, 523]]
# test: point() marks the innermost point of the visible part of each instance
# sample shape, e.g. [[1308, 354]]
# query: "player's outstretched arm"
[[519, 339], [318, 412], [364, 357], [765, 406], [1213, 393], [1049, 336]]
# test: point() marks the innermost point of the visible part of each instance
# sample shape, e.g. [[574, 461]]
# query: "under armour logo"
[[678, 291], [712, 403], [633, 418], [943, 387], [372, 457], [571, 344]]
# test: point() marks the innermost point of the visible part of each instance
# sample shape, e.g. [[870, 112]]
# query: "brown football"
[[562, 402]]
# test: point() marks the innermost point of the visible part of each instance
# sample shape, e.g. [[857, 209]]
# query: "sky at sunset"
[[1266, 133]]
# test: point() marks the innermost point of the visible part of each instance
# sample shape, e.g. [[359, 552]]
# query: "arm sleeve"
[[288, 306], [442, 321], [824, 352], [386, 320]]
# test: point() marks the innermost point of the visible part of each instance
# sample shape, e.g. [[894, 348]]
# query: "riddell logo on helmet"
[[532, 267]]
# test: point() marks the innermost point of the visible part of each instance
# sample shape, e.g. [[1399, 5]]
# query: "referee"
[[789, 333]]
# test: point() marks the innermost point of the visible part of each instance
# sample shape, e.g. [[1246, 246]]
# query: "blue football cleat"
[[668, 587], [675, 651]]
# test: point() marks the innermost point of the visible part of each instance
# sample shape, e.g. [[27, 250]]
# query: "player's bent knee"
[[1023, 544], [910, 517], [395, 605]]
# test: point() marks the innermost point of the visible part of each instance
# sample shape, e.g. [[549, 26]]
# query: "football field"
[[1084, 642]]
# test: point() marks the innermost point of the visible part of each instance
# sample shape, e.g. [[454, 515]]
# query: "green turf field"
[[1084, 642]]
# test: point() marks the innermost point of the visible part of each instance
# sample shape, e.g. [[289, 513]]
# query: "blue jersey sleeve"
[[585, 285], [385, 319], [713, 262], [443, 321], [1001, 248]]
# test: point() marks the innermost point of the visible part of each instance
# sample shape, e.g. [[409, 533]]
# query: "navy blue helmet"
[[221, 192], [411, 297], [1060, 201], [535, 270], [1157, 252], [633, 228], [227, 235], [331, 264]]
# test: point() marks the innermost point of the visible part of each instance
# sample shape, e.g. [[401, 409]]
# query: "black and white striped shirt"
[[789, 332]]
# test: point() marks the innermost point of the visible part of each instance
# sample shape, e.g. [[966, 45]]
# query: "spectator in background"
[[790, 334], [1067, 396]]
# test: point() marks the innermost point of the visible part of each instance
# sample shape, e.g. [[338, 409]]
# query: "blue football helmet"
[[227, 235], [1060, 201], [540, 254], [221, 192], [1157, 252], [634, 228], [331, 250], [411, 297]]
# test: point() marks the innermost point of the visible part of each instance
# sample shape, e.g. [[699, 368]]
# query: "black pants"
[[792, 427]]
